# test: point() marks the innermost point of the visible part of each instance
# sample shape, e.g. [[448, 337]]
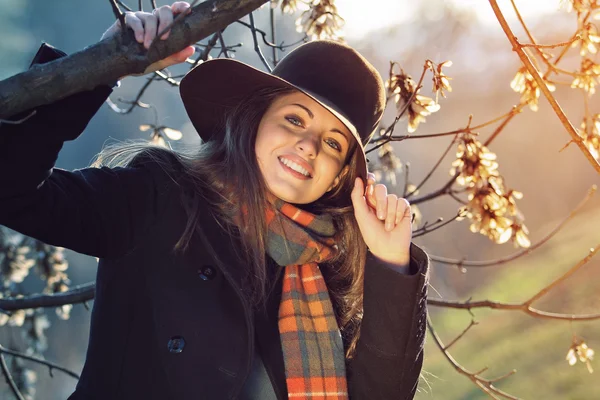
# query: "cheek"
[[330, 169], [269, 136], [261, 144]]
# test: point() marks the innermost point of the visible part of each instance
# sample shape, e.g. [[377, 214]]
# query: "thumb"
[[361, 209], [180, 56], [173, 59]]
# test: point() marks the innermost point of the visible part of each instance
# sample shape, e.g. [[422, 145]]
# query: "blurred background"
[[408, 32]]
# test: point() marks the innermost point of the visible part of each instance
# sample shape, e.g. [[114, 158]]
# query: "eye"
[[295, 120], [334, 144]]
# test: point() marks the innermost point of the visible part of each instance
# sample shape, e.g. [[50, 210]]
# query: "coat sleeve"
[[389, 353], [100, 212]]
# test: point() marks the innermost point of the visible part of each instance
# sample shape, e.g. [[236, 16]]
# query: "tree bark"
[[106, 61]]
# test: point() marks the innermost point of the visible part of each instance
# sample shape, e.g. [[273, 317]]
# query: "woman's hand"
[[146, 26], [385, 221]]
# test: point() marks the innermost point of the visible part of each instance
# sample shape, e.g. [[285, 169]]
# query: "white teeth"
[[294, 166]]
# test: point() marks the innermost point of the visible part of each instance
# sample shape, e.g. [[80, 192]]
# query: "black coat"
[[165, 325]]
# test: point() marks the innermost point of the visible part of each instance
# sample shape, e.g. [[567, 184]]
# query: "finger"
[[403, 211], [132, 21], [370, 178], [380, 197], [176, 58], [370, 194], [165, 18], [181, 6], [180, 56], [361, 209], [390, 219], [150, 24]]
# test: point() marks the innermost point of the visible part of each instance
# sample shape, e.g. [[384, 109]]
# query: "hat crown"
[[340, 77]]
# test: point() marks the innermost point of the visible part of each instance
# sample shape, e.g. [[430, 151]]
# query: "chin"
[[290, 196]]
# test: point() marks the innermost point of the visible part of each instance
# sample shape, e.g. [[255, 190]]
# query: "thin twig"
[[406, 173], [515, 110], [565, 276], [51, 366], [209, 46], [223, 45], [381, 141], [135, 102], [549, 46], [436, 165], [503, 260], [76, 294], [486, 385], [435, 226], [118, 13], [125, 6], [543, 87], [390, 130], [281, 46], [439, 192], [256, 46], [9, 378], [456, 339], [273, 39], [529, 35], [498, 305]]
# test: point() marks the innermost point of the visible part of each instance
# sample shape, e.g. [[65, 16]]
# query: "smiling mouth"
[[294, 168]]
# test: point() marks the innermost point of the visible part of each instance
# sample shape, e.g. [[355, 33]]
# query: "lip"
[[294, 173], [300, 161]]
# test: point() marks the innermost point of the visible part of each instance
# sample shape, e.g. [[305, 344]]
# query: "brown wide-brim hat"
[[331, 73]]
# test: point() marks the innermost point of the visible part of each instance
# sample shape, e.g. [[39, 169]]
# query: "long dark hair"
[[221, 171]]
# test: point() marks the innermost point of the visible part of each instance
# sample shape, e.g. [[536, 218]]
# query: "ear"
[[338, 178]]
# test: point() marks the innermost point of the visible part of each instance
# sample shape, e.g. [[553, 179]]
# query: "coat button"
[[206, 273], [176, 344]]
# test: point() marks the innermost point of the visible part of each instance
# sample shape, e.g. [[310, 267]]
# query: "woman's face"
[[301, 148]]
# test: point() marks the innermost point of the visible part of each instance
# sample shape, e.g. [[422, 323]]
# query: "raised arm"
[[97, 211]]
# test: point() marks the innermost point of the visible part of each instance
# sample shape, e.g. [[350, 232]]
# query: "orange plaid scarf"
[[310, 337]]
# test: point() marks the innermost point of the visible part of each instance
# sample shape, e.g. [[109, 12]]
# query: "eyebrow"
[[312, 116]]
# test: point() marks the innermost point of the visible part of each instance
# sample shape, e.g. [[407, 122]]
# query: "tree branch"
[[77, 294], [486, 385], [105, 62], [497, 305], [49, 364], [543, 88], [9, 378], [489, 263]]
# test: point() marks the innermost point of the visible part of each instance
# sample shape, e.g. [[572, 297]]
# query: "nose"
[[308, 145]]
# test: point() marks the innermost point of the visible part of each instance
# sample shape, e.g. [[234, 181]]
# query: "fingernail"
[[388, 226], [380, 214]]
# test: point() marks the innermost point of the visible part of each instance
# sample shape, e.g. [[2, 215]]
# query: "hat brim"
[[214, 87]]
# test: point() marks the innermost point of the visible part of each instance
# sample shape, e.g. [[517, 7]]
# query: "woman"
[[254, 267]]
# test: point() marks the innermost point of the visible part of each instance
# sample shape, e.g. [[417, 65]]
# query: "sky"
[[361, 20]]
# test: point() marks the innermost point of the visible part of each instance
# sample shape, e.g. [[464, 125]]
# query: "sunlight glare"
[[361, 20]]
